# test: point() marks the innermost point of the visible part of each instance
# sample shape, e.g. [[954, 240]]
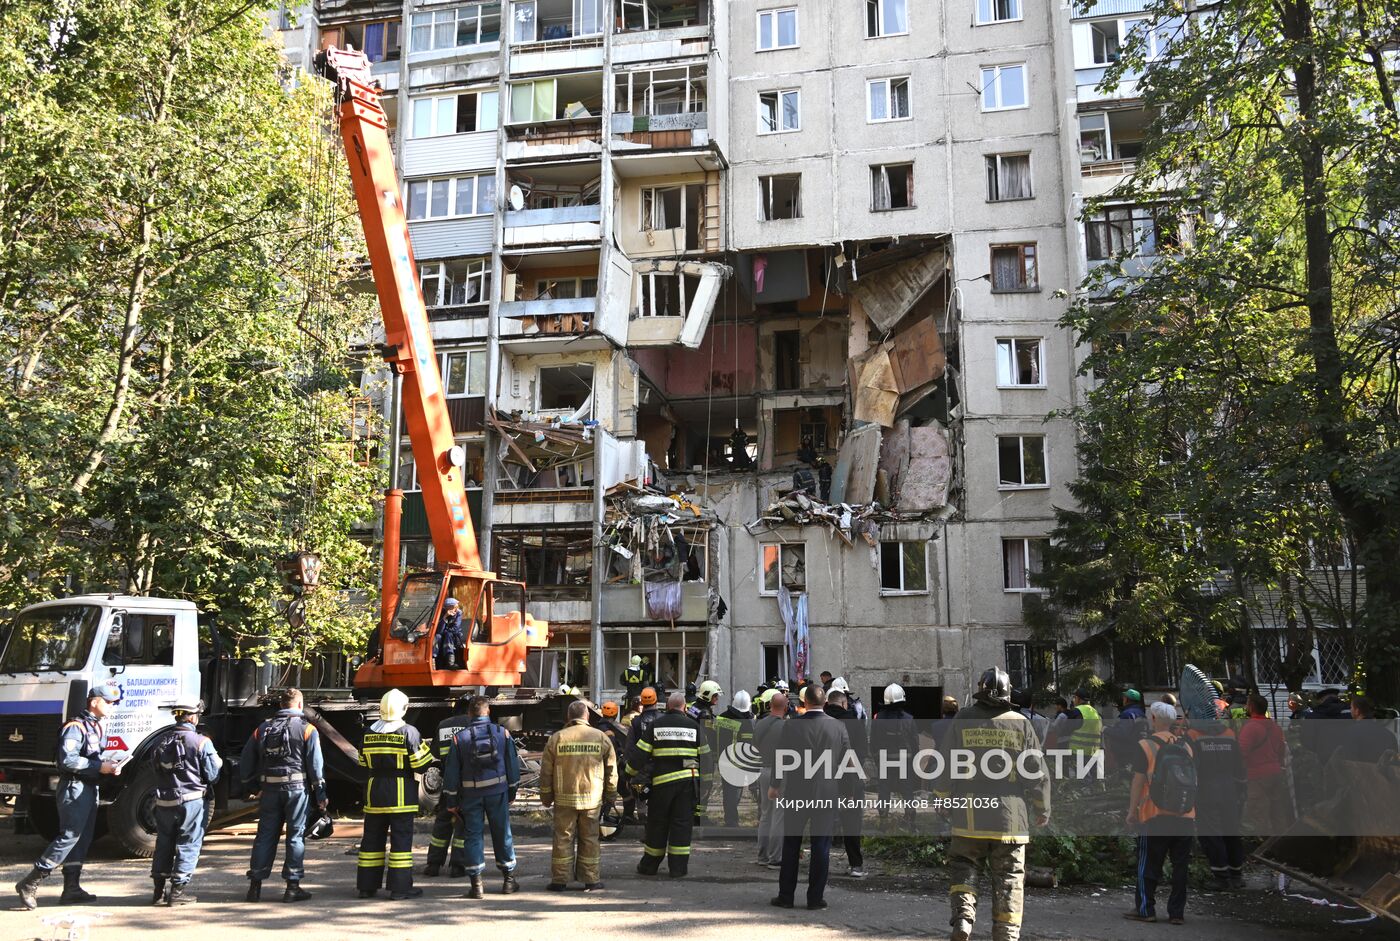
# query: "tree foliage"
[[1242, 426], [175, 239]]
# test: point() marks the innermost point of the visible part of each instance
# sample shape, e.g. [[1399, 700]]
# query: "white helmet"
[[838, 685], [709, 690], [742, 701], [781, 685], [894, 693], [393, 705], [635, 662]]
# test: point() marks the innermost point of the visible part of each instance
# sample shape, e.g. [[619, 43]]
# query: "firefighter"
[[672, 754], [483, 771], [393, 751], [733, 725], [995, 829], [186, 765], [282, 762], [1086, 733], [634, 677], [893, 734], [702, 710], [80, 766], [447, 826], [578, 776], [651, 711], [448, 645]]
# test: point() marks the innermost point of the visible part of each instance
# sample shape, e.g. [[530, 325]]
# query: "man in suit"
[[818, 744]]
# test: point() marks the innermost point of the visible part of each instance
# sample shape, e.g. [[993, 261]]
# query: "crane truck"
[[152, 650]]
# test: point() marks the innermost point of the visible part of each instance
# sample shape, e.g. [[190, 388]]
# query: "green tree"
[[1265, 338], [176, 235]]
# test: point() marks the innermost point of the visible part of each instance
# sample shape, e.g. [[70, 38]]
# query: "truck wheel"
[[131, 819], [43, 817]]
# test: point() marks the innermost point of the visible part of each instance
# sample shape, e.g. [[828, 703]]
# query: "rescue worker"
[[447, 825], [393, 751], [80, 766], [853, 703], [1222, 786], [1162, 833], [1085, 729], [702, 710], [634, 677], [733, 725], [186, 765], [448, 645], [482, 773], [850, 819], [671, 754], [578, 775], [893, 731], [634, 709], [282, 762], [993, 831], [650, 712]]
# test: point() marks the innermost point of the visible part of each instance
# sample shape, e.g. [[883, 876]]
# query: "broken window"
[[552, 558], [456, 283], [777, 29], [1008, 176], [1014, 268], [464, 373], [662, 207], [1020, 562], [1021, 460], [1133, 230], [378, 40], [548, 289], [779, 111], [462, 26], [787, 359], [679, 90], [1020, 362], [564, 388], [786, 565], [780, 197], [886, 18], [1104, 42], [892, 186], [998, 11], [904, 567], [666, 293], [1003, 87], [1030, 666], [888, 99]]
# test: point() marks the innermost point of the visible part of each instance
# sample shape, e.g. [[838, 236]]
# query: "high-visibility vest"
[[1089, 736]]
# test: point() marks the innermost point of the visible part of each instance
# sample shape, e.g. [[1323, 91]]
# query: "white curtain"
[[882, 188], [1014, 177]]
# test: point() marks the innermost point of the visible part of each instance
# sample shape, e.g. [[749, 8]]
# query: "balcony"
[[567, 225], [639, 17], [556, 35], [1109, 144], [553, 205]]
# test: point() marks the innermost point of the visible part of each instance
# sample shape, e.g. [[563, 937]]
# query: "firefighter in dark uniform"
[[702, 710], [80, 766], [186, 765], [733, 725], [671, 754], [393, 751], [634, 678], [447, 826], [651, 711]]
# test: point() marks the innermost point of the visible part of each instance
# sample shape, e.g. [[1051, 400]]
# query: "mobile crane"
[[151, 648]]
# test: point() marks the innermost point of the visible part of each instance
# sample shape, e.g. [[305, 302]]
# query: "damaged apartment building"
[[744, 312]]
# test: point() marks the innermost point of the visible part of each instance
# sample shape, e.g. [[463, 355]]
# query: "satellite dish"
[[517, 198]]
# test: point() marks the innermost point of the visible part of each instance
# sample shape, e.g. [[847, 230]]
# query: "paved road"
[[725, 898]]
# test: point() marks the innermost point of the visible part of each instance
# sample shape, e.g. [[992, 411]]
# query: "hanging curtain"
[[797, 645], [882, 188], [1015, 178], [544, 100], [1006, 269]]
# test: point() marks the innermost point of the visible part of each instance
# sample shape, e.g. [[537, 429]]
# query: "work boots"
[[510, 886], [254, 891], [73, 893], [158, 895], [432, 869], [28, 887], [475, 891], [176, 894], [295, 893]]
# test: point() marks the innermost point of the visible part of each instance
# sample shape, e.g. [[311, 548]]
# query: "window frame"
[[977, 16], [763, 548], [453, 184], [889, 84], [993, 164], [1031, 285], [646, 305], [432, 26], [437, 101], [880, 19], [1012, 360], [1002, 485], [1030, 651], [765, 197], [775, 13], [578, 281], [903, 591], [1025, 542], [779, 111], [996, 81], [474, 352], [884, 168], [477, 269]]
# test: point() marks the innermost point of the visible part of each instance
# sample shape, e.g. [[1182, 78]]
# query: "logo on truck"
[[16, 736]]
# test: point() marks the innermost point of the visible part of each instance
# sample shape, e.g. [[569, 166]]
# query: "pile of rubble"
[[848, 521]]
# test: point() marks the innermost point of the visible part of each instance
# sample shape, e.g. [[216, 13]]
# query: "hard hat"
[[450, 603], [690, 691], [742, 701], [1219, 687], [894, 693], [610, 824], [996, 684], [781, 686], [107, 691], [322, 827], [767, 696], [709, 690], [393, 705], [838, 685], [188, 708], [636, 661], [609, 709], [648, 696]]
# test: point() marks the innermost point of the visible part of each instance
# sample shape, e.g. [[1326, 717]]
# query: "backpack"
[[276, 741], [482, 752], [1173, 784], [171, 754]]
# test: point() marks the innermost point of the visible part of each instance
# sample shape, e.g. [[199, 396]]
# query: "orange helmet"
[[609, 709], [648, 697]]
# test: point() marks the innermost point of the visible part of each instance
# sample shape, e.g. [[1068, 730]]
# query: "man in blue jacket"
[[282, 761], [482, 773], [186, 765]]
